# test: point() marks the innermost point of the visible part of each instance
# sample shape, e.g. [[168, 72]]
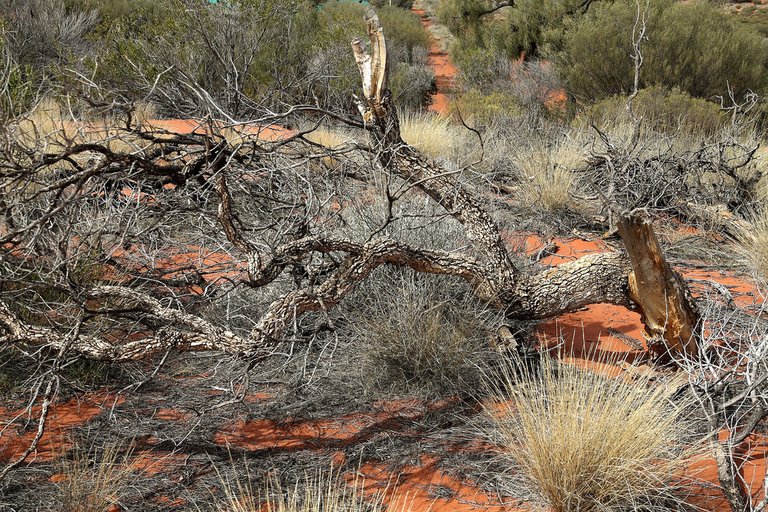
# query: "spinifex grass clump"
[[590, 442], [325, 491]]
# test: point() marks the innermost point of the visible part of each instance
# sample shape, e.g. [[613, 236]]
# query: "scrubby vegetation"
[[219, 249]]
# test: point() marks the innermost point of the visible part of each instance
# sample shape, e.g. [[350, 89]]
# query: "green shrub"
[[412, 86], [486, 108], [692, 46], [664, 110], [403, 28]]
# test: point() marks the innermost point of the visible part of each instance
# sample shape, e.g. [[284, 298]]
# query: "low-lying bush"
[[667, 111], [424, 335]]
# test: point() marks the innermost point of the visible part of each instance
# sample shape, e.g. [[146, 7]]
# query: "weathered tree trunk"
[[660, 293], [671, 321]]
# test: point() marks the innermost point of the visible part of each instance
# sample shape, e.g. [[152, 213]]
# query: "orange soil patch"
[[266, 434], [270, 133], [153, 462], [213, 266], [443, 67], [426, 487], [62, 419], [752, 461]]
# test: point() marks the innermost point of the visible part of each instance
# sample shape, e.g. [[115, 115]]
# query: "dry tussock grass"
[[328, 138], [752, 241], [92, 482], [589, 442], [547, 175], [322, 492], [431, 134], [49, 128]]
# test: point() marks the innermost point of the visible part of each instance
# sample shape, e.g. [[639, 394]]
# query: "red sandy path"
[[442, 65]]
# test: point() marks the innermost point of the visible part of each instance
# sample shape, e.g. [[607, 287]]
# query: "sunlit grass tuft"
[[547, 177], [587, 441], [431, 134], [90, 481]]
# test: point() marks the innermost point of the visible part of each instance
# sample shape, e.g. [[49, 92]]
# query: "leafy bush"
[[488, 108], [403, 28], [587, 441], [664, 110], [412, 86], [694, 47]]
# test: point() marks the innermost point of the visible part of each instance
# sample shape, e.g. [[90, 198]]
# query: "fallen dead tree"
[[639, 276]]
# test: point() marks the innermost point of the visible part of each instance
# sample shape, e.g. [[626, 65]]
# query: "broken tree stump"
[[672, 323]]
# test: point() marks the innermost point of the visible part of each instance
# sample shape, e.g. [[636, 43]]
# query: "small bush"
[[412, 86], [587, 441], [489, 108], [664, 110], [423, 335], [595, 57]]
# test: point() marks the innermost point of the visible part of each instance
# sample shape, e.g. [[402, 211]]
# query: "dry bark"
[[671, 321]]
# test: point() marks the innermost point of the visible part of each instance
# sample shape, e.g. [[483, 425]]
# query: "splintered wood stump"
[[671, 320]]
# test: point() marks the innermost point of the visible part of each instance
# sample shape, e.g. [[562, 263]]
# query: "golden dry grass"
[[50, 128], [547, 175], [590, 442], [91, 484], [328, 138], [431, 134], [752, 241], [325, 491]]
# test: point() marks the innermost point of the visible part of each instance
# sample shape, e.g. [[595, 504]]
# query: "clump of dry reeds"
[[92, 480], [590, 442]]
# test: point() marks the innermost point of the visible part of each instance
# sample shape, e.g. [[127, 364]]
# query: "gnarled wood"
[[671, 321]]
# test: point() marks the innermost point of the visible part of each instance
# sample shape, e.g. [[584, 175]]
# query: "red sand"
[[270, 133], [426, 488], [338, 432], [443, 67]]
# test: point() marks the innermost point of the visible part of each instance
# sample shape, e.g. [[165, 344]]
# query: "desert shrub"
[[515, 32], [403, 4], [44, 32], [403, 28], [667, 111], [488, 108], [92, 480], [479, 67], [338, 78], [412, 86], [422, 334], [752, 240], [694, 47], [588, 441]]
